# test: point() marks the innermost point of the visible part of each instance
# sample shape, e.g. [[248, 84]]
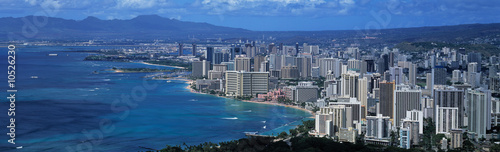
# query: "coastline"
[[177, 67], [189, 82]]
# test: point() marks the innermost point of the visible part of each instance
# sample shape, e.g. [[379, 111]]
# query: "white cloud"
[[258, 7], [140, 4]]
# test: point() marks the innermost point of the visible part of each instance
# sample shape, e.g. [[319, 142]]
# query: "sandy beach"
[[189, 82], [178, 67]]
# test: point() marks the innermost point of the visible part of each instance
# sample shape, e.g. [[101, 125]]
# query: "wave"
[[106, 80], [193, 100], [264, 127], [234, 105], [263, 121], [247, 111], [251, 133], [233, 118]]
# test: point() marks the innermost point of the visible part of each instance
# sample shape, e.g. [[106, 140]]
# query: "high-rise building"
[[217, 58], [383, 64], [378, 127], [456, 138], [209, 54], [304, 66], [353, 110], [350, 84], [296, 49], [180, 49], [396, 75], [370, 65], [474, 57], [242, 64], [457, 76], [387, 98], [440, 75], [446, 119], [257, 60], [405, 99], [306, 92], [429, 81], [391, 59], [329, 64], [363, 96], [479, 112], [271, 49], [193, 51], [289, 72], [353, 65], [200, 68], [240, 83], [412, 74], [451, 97]]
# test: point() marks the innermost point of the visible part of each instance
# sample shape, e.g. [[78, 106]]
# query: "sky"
[[273, 15]]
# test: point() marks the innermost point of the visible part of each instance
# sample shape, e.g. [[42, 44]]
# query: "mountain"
[[149, 27], [140, 27]]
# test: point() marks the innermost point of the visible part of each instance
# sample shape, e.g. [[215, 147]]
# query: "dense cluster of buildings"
[[377, 93]]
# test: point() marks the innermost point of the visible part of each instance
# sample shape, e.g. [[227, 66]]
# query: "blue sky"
[[273, 15]]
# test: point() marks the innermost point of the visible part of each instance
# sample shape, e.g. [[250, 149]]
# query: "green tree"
[[283, 135]]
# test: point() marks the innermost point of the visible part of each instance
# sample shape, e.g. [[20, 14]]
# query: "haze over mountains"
[[149, 27]]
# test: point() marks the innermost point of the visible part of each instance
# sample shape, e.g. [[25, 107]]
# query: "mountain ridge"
[[157, 27]]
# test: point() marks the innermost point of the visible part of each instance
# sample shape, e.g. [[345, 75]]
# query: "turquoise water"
[[69, 108]]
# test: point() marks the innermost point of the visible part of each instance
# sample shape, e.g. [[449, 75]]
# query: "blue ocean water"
[[70, 108]]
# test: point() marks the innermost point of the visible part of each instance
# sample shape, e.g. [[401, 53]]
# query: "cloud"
[[140, 4], [259, 7]]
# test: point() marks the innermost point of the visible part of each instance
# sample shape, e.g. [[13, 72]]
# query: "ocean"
[[71, 108]]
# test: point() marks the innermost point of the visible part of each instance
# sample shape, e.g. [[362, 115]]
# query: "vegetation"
[[485, 49], [299, 141], [285, 100]]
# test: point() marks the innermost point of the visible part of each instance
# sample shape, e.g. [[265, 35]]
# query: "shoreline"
[[189, 82], [177, 67]]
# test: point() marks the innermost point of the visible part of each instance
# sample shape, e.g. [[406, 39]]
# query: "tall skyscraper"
[[209, 54], [200, 68], [387, 98], [289, 72], [479, 111], [405, 99], [474, 57], [218, 57], [304, 66], [353, 64], [180, 49], [440, 75], [296, 49], [383, 64], [370, 65], [391, 59], [412, 74], [451, 97], [257, 60], [329, 64], [242, 64], [246, 83], [350, 84], [363, 96], [194, 49], [446, 119]]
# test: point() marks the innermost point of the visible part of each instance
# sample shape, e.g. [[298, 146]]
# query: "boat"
[[168, 81], [34, 77], [52, 54]]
